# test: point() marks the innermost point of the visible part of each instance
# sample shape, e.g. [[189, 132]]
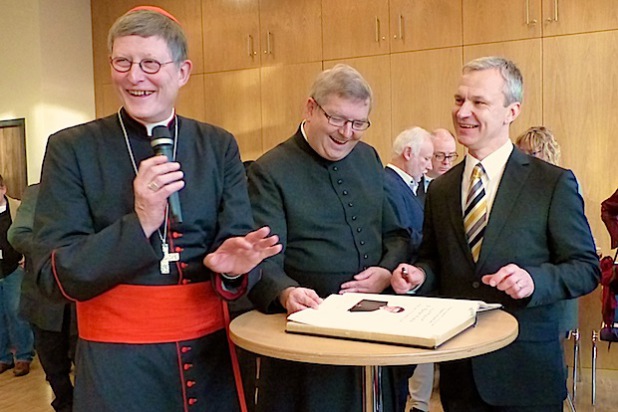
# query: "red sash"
[[151, 314]]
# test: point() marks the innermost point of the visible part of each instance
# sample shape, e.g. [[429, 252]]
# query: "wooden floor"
[[606, 400], [31, 393]]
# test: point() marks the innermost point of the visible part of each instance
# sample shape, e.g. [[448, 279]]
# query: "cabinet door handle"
[[555, 10], [555, 16], [399, 28], [377, 30], [250, 48], [528, 21], [268, 49]]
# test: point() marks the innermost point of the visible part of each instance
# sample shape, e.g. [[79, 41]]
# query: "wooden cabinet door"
[[191, 100], [580, 100], [423, 86], [285, 90], [526, 54], [486, 21], [353, 28], [231, 35], [424, 24], [376, 70], [290, 31], [232, 101], [578, 16]]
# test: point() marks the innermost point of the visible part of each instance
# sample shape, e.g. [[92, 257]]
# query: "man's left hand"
[[238, 255], [371, 280], [512, 280]]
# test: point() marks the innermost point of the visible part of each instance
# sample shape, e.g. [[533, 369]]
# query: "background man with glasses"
[[444, 154], [322, 192], [148, 287]]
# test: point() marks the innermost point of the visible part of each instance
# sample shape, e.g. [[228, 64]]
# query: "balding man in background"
[[444, 156]]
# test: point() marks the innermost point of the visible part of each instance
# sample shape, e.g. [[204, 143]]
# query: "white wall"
[[46, 73]]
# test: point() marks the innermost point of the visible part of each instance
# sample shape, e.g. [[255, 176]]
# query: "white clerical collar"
[[302, 130], [165, 123]]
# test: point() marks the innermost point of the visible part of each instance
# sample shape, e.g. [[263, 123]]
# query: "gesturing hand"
[[238, 255], [512, 280]]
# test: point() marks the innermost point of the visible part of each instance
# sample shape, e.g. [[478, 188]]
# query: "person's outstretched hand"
[[238, 255]]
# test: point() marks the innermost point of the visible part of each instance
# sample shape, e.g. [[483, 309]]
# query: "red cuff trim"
[[55, 273], [227, 294]]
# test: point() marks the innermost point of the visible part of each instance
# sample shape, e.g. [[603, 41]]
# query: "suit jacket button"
[[476, 285]]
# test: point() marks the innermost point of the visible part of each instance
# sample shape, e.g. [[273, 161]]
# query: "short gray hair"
[[513, 81], [343, 81], [148, 23], [414, 138]]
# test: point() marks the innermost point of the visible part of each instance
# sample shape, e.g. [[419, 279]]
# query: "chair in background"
[[575, 335], [609, 309]]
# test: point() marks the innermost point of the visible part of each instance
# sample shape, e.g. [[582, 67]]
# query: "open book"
[[401, 319]]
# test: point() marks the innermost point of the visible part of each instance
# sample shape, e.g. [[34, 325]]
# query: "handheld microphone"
[[163, 144]]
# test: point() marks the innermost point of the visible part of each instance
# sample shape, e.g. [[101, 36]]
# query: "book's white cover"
[[401, 319]]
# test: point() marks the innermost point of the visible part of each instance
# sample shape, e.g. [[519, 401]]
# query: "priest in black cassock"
[[149, 285], [322, 192]]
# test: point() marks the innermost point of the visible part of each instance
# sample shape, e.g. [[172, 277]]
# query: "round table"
[[265, 335]]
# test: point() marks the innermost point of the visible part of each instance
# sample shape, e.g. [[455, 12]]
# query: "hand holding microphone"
[[163, 144]]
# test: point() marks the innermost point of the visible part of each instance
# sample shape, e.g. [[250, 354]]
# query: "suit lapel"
[[455, 213], [513, 181]]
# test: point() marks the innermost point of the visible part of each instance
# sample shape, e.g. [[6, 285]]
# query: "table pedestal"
[[372, 389]]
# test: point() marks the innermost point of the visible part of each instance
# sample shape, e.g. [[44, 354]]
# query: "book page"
[[390, 314]]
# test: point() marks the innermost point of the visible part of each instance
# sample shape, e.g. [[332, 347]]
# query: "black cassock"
[[85, 215], [334, 221]]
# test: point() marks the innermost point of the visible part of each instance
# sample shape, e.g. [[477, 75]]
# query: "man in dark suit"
[[521, 239], [412, 154], [53, 322]]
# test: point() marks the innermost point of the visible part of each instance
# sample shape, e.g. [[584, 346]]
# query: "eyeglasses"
[[358, 125], [451, 157], [148, 66]]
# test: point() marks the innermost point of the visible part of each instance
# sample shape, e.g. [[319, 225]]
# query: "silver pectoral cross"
[[167, 258]]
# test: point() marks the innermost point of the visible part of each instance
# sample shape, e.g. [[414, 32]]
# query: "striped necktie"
[[475, 215]]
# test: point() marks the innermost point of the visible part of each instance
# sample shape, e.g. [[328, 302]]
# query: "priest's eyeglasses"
[[358, 125], [440, 157], [148, 66]]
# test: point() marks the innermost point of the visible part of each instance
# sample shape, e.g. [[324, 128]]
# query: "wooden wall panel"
[[285, 90], [423, 85], [239, 112]]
